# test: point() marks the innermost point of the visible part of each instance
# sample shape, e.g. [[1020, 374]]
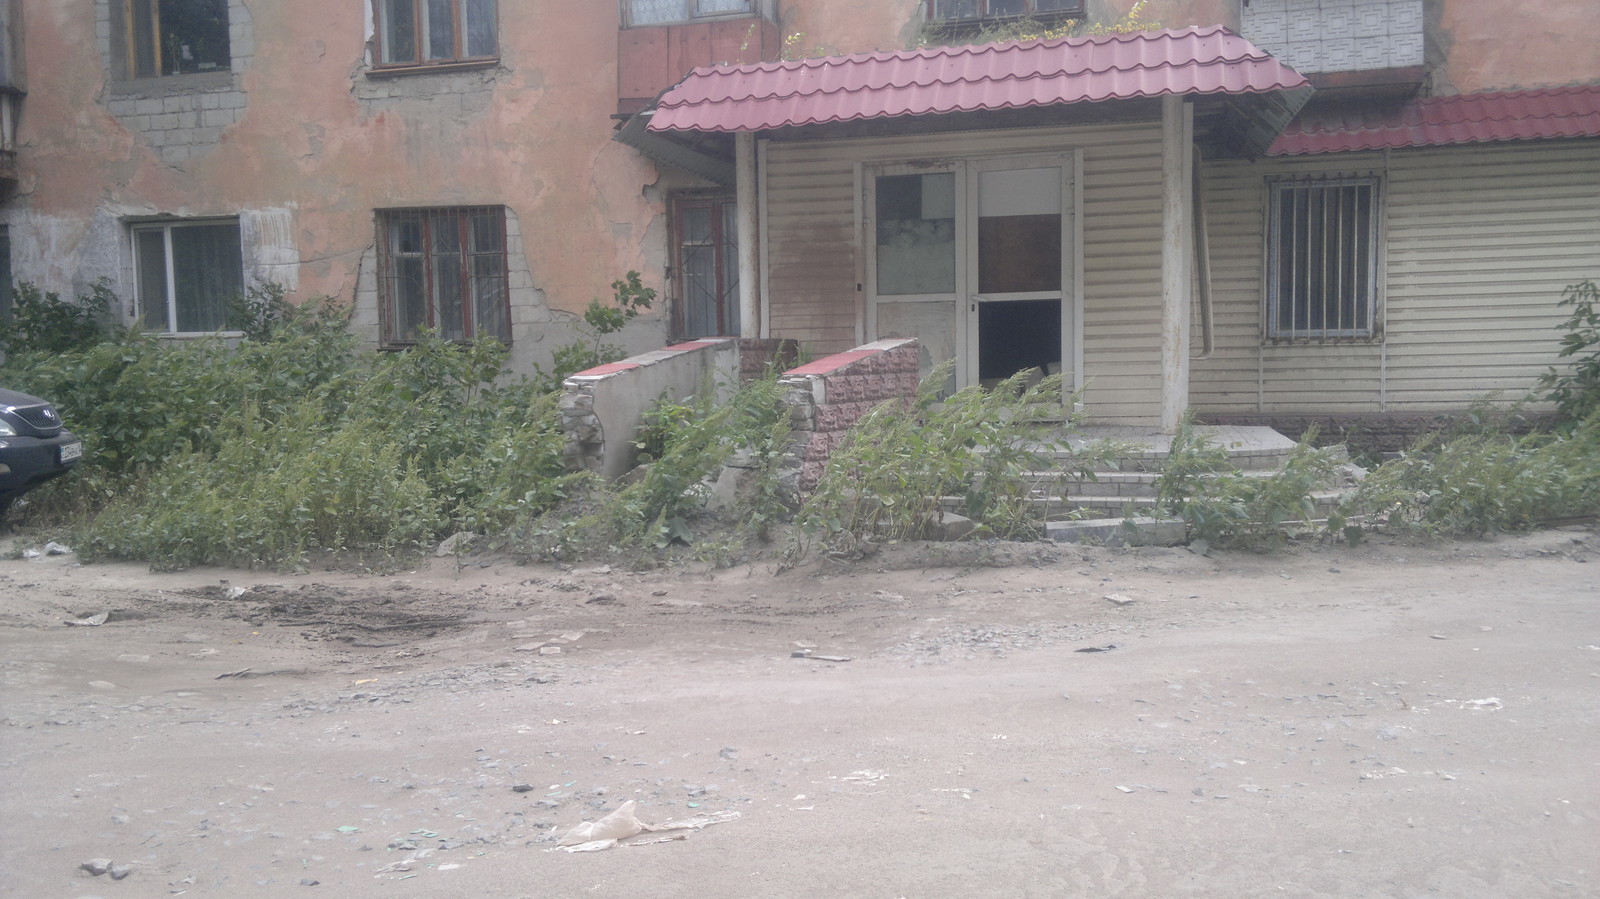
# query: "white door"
[[976, 258]]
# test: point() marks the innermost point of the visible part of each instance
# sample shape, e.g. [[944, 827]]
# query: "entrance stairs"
[[1117, 500]]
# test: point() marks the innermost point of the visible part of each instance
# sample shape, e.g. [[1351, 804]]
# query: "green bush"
[[43, 323], [289, 443], [1576, 391], [380, 458]]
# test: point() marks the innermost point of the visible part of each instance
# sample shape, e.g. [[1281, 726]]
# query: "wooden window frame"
[[1321, 266], [389, 319], [419, 62], [156, 67]]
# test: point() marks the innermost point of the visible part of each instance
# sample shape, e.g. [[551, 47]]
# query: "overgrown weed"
[[1483, 483], [1228, 507], [887, 480]]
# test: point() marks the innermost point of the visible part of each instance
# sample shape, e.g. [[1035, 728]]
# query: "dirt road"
[[1387, 720]]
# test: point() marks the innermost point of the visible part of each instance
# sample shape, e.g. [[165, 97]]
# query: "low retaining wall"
[[827, 397], [1372, 433], [602, 407]]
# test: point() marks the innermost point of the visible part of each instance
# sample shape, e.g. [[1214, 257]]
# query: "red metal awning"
[[1010, 75], [1561, 112]]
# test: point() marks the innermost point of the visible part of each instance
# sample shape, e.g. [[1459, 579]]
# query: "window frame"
[[390, 326], [1361, 301], [132, 41], [931, 8], [752, 10], [459, 58], [722, 242], [169, 302]]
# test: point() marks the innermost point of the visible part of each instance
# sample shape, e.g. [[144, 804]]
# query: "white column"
[[744, 148], [1177, 126]]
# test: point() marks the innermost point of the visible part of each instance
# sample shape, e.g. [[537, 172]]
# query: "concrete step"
[[1144, 450], [1113, 483], [1324, 502]]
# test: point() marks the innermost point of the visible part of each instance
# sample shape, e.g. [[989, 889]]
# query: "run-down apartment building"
[[1267, 210]]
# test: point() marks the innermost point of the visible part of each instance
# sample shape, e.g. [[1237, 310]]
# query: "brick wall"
[[757, 355], [827, 397]]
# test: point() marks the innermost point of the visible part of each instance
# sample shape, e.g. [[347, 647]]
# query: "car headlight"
[[6, 430]]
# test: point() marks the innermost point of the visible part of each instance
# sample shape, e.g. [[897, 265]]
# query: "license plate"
[[71, 451]]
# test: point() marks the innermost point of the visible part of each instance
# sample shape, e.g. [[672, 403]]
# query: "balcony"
[[652, 58]]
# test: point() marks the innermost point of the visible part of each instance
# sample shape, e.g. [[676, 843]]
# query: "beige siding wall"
[[814, 261], [1479, 241]]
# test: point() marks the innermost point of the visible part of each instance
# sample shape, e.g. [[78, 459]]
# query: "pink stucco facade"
[[305, 140]]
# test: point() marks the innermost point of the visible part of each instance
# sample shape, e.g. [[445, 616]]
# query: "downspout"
[[746, 202], [1202, 262]]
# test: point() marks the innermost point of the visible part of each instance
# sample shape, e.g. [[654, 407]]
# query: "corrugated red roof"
[[967, 78], [1436, 121]]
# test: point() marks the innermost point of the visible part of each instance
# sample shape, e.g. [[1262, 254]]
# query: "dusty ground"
[[1381, 721]]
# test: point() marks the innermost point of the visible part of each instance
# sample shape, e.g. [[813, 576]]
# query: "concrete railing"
[[603, 407]]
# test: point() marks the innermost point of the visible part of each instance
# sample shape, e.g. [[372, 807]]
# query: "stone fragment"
[[97, 866]]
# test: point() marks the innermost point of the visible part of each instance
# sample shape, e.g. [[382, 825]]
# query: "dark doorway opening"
[[1018, 334]]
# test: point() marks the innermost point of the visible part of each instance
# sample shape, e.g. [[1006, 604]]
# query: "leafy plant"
[[1576, 391], [629, 298], [663, 502], [43, 323], [1228, 507]]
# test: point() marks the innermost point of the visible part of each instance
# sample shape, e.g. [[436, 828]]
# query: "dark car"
[[34, 447]]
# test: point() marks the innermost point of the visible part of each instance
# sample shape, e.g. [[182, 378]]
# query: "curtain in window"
[[207, 275]]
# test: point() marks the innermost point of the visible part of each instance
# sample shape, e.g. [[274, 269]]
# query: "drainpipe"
[[1177, 122], [744, 149], [1202, 261]]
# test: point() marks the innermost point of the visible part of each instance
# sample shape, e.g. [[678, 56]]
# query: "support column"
[[1177, 137], [747, 202]]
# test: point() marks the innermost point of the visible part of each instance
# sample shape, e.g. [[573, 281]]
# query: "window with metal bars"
[[434, 32], [1322, 258], [707, 263], [444, 270], [970, 10]]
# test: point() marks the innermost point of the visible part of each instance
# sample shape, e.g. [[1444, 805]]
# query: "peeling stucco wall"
[[303, 143]]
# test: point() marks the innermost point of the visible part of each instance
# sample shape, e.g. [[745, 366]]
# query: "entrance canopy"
[[1262, 93]]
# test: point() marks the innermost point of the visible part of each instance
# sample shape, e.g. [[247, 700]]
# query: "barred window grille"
[[1322, 258]]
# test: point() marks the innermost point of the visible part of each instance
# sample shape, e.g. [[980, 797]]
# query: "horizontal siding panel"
[[1479, 242]]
